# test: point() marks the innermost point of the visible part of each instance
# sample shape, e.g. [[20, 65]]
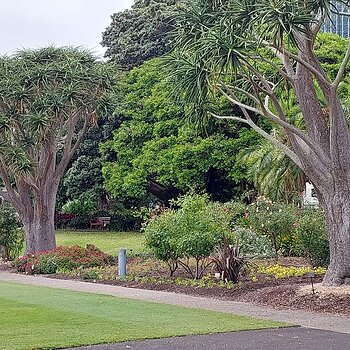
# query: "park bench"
[[100, 223]]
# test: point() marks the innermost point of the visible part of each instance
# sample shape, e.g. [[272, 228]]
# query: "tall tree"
[[155, 151], [49, 98], [220, 46], [141, 33]]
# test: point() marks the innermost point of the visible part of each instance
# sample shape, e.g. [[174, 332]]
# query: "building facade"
[[339, 21]]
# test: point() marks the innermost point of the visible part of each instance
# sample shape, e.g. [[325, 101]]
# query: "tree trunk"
[[40, 236], [39, 222], [337, 216]]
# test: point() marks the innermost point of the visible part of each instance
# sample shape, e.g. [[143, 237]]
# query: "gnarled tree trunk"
[[336, 207]]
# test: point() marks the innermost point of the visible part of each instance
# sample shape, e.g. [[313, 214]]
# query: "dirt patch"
[[323, 291]]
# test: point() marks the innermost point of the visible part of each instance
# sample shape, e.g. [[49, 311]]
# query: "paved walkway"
[[271, 339], [302, 318]]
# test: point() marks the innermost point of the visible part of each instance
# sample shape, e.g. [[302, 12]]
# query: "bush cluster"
[[204, 231], [11, 234], [311, 239], [63, 258], [292, 231], [227, 234]]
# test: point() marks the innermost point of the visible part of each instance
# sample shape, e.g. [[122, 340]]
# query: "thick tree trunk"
[[39, 222], [337, 215], [40, 236]]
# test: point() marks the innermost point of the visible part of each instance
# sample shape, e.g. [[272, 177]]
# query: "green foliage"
[[272, 172], [68, 258], [276, 222], [11, 236], [191, 231], [79, 206], [80, 222], [157, 150], [141, 33], [251, 244], [160, 235], [124, 218], [311, 237], [84, 177], [199, 229]]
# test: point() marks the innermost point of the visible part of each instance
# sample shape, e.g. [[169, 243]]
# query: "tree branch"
[[281, 53], [319, 77], [282, 122], [281, 146], [11, 194], [68, 153]]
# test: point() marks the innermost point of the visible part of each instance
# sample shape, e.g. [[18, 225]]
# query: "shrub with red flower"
[[63, 257]]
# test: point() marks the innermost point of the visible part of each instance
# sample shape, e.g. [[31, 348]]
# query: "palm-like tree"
[[273, 173], [220, 47], [48, 99]]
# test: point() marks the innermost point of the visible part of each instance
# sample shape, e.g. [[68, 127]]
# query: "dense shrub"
[[311, 237], [161, 233], [80, 206], [191, 231], [11, 235], [206, 232], [275, 221], [63, 258]]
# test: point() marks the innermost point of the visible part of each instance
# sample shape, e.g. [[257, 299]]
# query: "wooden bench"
[[100, 223]]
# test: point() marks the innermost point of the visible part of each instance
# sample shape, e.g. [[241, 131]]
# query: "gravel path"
[[302, 318]]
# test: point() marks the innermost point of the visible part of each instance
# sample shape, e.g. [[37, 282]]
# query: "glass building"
[[339, 23]]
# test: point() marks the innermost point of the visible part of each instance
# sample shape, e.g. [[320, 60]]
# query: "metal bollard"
[[122, 263]]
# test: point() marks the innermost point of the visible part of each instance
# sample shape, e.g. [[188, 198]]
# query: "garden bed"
[[283, 293], [264, 282]]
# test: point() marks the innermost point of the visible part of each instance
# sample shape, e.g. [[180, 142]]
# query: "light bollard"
[[122, 263]]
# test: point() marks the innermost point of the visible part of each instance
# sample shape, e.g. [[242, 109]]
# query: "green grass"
[[45, 318], [108, 241]]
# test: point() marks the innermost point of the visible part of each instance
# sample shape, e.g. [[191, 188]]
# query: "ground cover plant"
[[107, 241], [64, 258], [52, 318]]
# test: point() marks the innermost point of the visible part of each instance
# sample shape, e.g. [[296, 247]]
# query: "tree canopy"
[[141, 33], [157, 150]]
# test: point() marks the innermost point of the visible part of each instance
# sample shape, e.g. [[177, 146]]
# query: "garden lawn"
[[46, 318], [108, 241]]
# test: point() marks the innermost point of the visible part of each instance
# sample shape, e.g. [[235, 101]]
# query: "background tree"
[[154, 151], [220, 47], [49, 98], [83, 178], [141, 33]]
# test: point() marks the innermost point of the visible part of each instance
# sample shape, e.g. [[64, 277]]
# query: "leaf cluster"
[[40, 91]]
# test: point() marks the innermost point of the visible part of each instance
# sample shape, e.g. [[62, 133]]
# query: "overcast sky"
[[38, 23]]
